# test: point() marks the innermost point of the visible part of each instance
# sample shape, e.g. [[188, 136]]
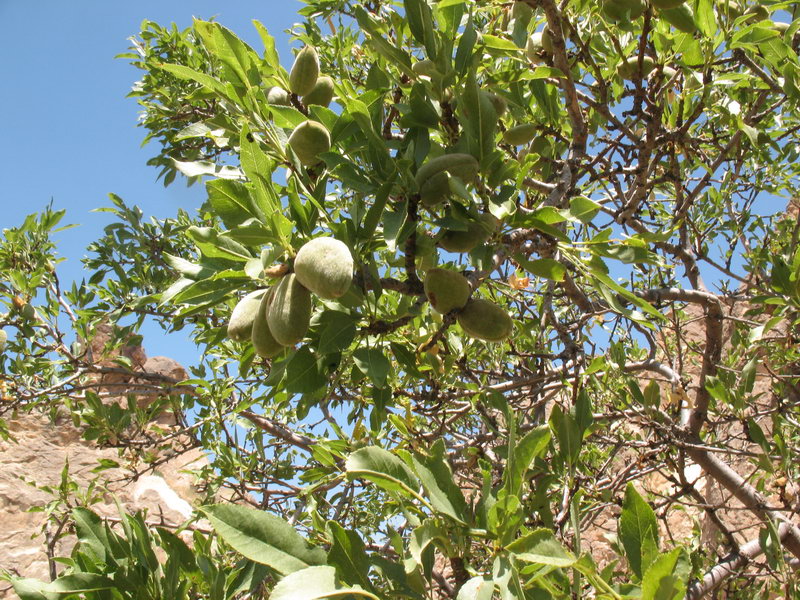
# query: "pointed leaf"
[[314, 583], [638, 531], [541, 547], [382, 468], [263, 538]]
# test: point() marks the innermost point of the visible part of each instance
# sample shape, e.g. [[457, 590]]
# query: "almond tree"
[[545, 349]]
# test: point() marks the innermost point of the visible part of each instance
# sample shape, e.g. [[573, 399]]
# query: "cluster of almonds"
[[447, 291], [310, 138], [278, 317]]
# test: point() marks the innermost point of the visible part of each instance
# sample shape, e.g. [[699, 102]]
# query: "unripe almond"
[[477, 232], [325, 266], [309, 140], [446, 290], [520, 135], [305, 71], [321, 94], [290, 311], [278, 95], [431, 177], [3, 339], [485, 320], [240, 326], [264, 343]]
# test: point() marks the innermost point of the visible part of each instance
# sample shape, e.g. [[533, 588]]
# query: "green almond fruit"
[[426, 68], [305, 71], [431, 177], [520, 135], [781, 27], [446, 290], [477, 233], [240, 325], [732, 8], [666, 4], [681, 18], [3, 339], [538, 42], [321, 94], [629, 69], [325, 266], [309, 140], [499, 103], [264, 343], [278, 95], [759, 12], [290, 311], [485, 320]]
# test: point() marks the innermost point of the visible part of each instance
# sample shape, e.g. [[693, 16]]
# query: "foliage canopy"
[[614, 180]]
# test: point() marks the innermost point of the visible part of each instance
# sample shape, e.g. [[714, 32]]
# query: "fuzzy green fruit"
[[446, 290], [290, 312], [781, 27], [477, 232], [630, 68], [426, 68], [499, 103], [485, 320], [757, 13], [3, 339], [538, 42], [309, 140], [264, 343], [244, 313], [681, 18], [305, 71], [278, 95], [432, 177], [325, 266], [520, 135], [322, 94]]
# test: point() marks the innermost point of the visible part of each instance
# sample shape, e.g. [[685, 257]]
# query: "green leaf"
[[705, 18], [525, 451], [229, 200], [544, 267], [230, 50], [263, 538], [477, 588], [206, 81], [638, 531], [436, 476], [76, 583], [583, 209], [373, 363], [314, 583], [337, 331], [382, 468], [665, 579], [420, 22], [258, 168], [567, 433], [348, 555], [303, 374], [92, 534], [541, 547]]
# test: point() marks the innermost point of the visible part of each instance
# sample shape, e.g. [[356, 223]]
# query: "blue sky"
[[70, 132]]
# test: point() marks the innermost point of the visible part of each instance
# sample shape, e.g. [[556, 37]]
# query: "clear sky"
[[70, 132]]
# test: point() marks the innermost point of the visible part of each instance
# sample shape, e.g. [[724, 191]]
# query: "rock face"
[[42, 448]]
